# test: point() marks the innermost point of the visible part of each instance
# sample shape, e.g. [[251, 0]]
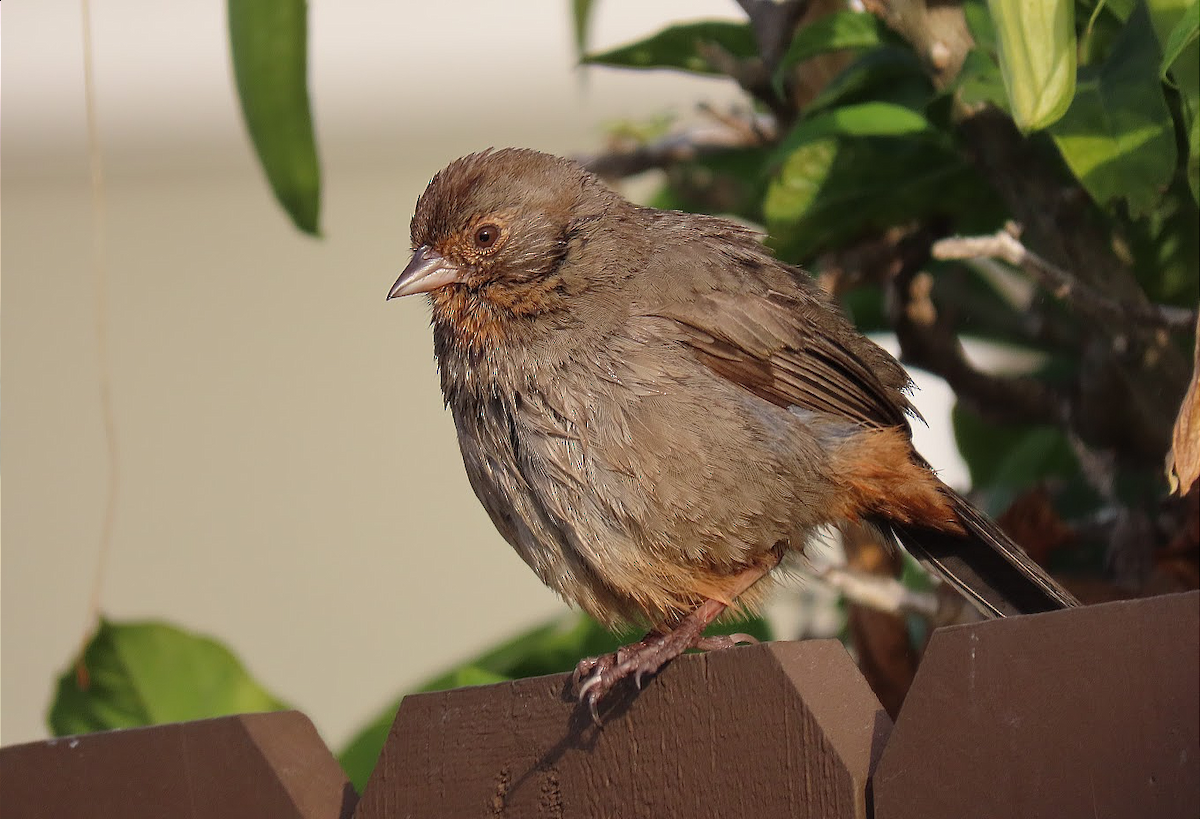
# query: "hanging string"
[[99, 261]]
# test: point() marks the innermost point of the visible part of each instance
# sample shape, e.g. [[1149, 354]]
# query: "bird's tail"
[[984, 564]]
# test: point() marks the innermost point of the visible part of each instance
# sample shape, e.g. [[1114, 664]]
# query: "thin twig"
[[685, 146], [927, 341], [876, 592], [773, 22], [1005, 245]]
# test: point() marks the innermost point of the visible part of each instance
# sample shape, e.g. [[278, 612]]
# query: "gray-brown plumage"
[[653, 409]]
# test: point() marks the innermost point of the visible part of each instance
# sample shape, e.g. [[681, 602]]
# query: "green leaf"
[[358, 758], [1117, 136], [581, 18], [979, 81], [864, 119], [979, 23], [883, 74], [1036, 42], [149, 673], [1185, 32], [362, 752], [268, 40], [1176, 23], [552, 648], [832, 189], [832, 32], [1121, 9], [1193, 143], [827, 185], [680, 47], [1004, 461], [1166, 248], [729, 182]]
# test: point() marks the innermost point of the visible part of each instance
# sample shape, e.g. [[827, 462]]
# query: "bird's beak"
[[427, 271]]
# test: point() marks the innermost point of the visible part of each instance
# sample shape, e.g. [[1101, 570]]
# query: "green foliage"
[[268, 40], [1008, 460], [681, 47], [979, 82], [835, 182], [1166, 248], [1117, 135], [1183, 35], [833, 32], [1177, 25], [885, 74], [135, 674]]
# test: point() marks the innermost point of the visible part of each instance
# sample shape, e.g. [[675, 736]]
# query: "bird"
[[655, 411]]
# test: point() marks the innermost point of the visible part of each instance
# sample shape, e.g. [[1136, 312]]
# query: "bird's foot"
[[596, 676]]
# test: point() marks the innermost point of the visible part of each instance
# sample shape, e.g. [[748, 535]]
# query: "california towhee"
[[653, 409]]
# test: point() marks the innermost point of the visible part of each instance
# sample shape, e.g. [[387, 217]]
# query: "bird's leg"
[[596, 676]]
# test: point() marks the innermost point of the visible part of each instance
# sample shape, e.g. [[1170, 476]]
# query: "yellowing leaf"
[[1183, 461]]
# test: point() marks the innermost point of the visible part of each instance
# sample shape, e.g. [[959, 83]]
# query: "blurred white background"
[[289, 482]]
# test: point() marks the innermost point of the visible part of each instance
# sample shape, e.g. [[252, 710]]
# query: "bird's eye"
[[486, 236]]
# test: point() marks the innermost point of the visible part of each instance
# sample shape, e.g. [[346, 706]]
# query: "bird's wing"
[[794, 351]]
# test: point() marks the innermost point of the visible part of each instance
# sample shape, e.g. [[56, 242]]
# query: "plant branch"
[[879, 593], [773, 24], [927, 341], [1063, 285], [685, 146]]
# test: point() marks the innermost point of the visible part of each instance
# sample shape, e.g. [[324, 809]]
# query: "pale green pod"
[[1036, 40]]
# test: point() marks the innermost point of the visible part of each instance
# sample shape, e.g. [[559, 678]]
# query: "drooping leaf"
[[268, 41], [831, 32], [149, 673], [581, 19], [1117, 136], [680, 47], [1036, 49]]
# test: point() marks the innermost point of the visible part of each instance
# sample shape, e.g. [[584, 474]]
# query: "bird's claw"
[[596, 676], [725, 641]]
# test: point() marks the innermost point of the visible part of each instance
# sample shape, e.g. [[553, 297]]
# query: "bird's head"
[[489, 236]]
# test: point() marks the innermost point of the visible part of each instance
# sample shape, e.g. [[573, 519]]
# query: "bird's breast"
[[464, 317]]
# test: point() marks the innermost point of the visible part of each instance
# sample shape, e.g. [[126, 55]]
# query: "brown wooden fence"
[[1088, 713]]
